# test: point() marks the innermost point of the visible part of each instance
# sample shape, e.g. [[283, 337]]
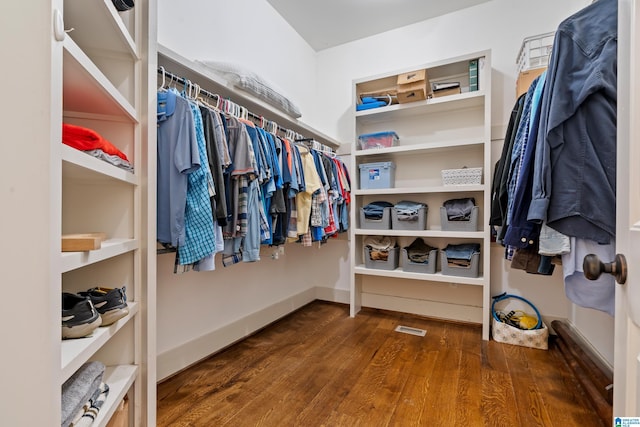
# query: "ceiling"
[[328, 23]]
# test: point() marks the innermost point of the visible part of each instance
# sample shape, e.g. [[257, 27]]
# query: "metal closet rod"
[[181, 80]]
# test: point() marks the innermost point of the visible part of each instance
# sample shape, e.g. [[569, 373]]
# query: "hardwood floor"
[[319, 367]]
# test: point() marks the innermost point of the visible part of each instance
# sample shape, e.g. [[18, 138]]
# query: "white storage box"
[[535, 51], [377, 175], [420, 224], [464, 176], [376, 224], [391, 262]]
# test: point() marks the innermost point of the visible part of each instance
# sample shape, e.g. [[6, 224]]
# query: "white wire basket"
[[464, 176], [535, 51]]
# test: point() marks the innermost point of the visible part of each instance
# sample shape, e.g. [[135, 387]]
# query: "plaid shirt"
[[200, 238]]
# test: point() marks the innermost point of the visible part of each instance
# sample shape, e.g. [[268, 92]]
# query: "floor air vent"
[[411, 331]]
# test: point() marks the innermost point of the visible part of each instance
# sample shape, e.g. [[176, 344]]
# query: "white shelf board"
[[419, 148], [428, 106], [420, 233], [82, 166], [77, 351], [119, 379], [198, 73], [436, 277], [87, 89], [110, 248], [97, 25], [422, 190]]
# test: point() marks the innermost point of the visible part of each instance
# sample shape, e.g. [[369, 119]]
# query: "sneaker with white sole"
[[111, 303], [79, 317]]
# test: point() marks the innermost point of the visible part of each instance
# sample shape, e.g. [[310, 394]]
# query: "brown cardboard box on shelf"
[[446, 92], [120, 417], [525, 78], [412, 77], [413, 86], [412, 92]]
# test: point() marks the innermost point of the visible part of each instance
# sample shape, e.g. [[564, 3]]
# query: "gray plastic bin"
[[471, 225], [390, 264], [470, 271], [376, 224], [420, 224], [418, 267]]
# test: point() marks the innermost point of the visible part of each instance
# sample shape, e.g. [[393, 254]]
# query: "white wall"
[[196, 309], [249, 33]]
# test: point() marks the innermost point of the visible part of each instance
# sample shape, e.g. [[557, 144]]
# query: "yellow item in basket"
[[525, 321]]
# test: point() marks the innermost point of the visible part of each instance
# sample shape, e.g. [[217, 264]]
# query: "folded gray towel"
[[79, 388]]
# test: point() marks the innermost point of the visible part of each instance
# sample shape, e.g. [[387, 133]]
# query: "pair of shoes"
[[111, 303], [79, 317], [85, 311]]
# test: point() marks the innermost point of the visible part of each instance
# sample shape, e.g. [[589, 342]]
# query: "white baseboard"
[[178, 358], [332, 295]]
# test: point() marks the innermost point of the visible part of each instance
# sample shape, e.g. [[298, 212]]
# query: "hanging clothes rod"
[[264, 123]]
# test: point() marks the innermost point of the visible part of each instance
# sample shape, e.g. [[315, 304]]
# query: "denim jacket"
[[574, 185]]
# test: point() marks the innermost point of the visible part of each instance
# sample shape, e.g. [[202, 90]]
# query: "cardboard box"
[[525, 78], [413, 86], [412, 92], [446, 92], [120, 418], [412, 77]]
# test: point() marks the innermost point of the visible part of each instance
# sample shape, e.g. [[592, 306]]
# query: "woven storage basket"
[[505, 333], [464, 176]]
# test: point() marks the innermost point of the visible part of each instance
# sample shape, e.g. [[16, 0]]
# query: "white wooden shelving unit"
[[101, 69], [447, 132]]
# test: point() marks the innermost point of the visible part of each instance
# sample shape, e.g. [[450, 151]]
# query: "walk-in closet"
[[268, 212]]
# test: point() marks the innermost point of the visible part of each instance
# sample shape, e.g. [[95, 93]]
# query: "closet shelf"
[[110, 248], [82, 166], [198, 73], [119, 378], [436, 277], [421, 190], [428, 106], [98, 26], [420, 233], [408, 148], [75, 352], [86, 89]]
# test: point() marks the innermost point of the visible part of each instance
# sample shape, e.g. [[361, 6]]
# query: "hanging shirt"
[[199, 228], [312, 184], [177, 157], [575, 182]]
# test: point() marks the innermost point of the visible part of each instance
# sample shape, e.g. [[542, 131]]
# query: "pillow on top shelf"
[[252, 83]]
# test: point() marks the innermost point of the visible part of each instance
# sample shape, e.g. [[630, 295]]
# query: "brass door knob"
[[593, 268]]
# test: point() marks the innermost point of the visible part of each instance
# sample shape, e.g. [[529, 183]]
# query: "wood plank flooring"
[[319, 367]]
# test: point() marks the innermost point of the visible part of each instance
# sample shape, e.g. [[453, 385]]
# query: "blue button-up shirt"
[[574, 187]]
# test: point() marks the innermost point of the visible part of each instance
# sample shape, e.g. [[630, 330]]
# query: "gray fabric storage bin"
[[376, 224], [471, 271], [418, 267], [390, 264], [420, 224], [471, 225]]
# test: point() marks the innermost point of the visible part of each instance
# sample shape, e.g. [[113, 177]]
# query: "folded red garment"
[[86, 139]]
